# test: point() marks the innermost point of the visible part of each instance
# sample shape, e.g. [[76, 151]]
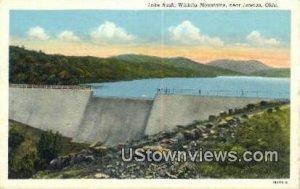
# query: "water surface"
[[264, 87]]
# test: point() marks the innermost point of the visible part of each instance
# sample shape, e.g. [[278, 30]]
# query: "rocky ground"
[[101, 161]]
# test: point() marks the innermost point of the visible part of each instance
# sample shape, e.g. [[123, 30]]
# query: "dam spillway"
[[78, 114]]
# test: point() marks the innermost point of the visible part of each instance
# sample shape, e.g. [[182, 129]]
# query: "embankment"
[[78, 114]]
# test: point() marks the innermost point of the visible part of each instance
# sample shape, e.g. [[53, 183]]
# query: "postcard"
[[150, 94]]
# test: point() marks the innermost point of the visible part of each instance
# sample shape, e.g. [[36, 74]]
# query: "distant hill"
[[178, 62], [36, 67], [246, 67], [275, 72]]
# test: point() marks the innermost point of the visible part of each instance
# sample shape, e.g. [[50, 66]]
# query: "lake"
[[264, 87]]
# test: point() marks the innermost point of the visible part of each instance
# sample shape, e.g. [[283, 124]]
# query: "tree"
[[15, 138], [49, 147]]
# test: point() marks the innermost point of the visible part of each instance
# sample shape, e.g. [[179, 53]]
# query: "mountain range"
[[36, 67], [239, 67]]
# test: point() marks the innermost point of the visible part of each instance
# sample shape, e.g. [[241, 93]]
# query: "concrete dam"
[[78, 114]]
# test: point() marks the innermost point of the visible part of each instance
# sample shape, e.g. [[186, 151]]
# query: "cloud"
[[67, 36], [37, 33], [110, 32], [255, 38], [188, 34]]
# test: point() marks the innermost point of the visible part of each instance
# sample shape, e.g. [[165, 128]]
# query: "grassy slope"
[[34, 67], [32, 136], [262, 132]]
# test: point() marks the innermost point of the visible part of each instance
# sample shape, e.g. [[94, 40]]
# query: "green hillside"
[[276, 72], [32, 67], [178, 62], [242, 66], [23, 145]]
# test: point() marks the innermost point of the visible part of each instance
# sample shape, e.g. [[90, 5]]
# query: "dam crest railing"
[[229, 93], [81, 87]]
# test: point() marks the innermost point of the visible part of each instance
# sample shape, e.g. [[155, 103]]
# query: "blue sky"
[[228, 25], [188, 28]]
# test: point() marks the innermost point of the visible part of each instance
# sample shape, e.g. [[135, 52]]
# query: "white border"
[[6, 5]]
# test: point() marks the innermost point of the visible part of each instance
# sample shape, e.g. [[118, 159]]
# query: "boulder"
[[56, 163], [189, 135], [155, 148], [179, 136], [89, 158], [212, 117], [197, 133], [101, 176], [209, 125], [101, 150], [96, 144]]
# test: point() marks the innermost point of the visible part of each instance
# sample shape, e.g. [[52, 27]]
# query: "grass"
[[262, 132]]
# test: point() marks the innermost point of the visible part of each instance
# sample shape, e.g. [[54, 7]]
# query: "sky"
[[202, 36]]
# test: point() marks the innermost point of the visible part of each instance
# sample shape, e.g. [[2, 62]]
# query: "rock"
[[101, 176], [229, 119], [149, 177], [100, 149], [60, 162], [56, 163], [179, 136], [155, 148], [197, 132], [209, 125], [189, 135], [245, 116], [202, 129], [167, 141], [193, 143], [212, 131], [77, 158], [89, 158], [132, 167], [250, 106], [230, 111], [222, 114], [212, 117], [205, 136], [170, 175], [263, 103], [180, 126], [96, 144], [223, 123]]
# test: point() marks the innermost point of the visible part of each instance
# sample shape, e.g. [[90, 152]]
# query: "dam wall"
[[171, 110], [78, 114], [113, 120], [57, 109]]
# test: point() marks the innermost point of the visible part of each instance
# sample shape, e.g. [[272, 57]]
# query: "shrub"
[[15, 138], [49, 147]]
